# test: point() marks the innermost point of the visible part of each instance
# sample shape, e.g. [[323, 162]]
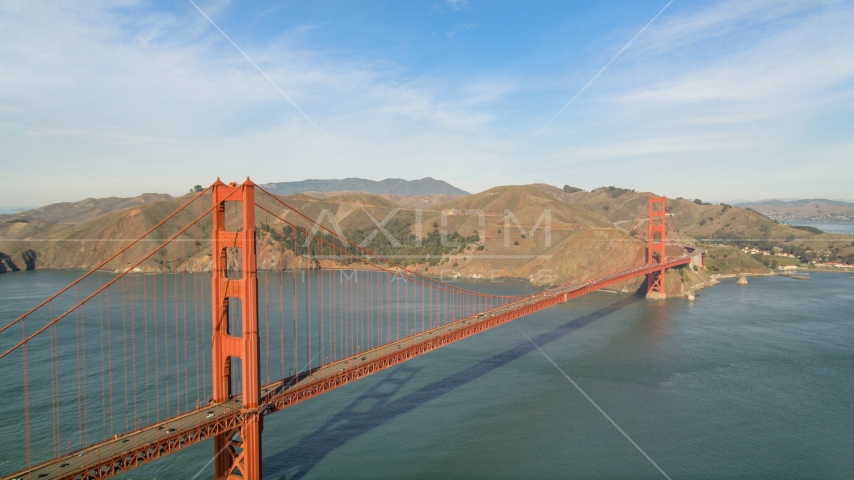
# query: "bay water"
[[750, 381], [830, 227]]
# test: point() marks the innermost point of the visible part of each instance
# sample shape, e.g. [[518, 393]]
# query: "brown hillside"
[[88, 209], [85, 244], [581, 235], [584, 228]]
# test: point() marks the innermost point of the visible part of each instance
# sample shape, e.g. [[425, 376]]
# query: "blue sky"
[[720, 100]]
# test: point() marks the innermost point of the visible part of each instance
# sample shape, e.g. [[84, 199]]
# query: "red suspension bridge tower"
[[657, 246], [235, 333]]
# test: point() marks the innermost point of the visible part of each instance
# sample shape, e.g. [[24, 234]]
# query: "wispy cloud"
[[605, 67], [161, 98], [461, 27], [803, 65], [99, 99], [264, 74], [750, 87], [458, 4], [717, 20]]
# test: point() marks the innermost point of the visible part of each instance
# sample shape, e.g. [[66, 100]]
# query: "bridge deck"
[[135, 448]]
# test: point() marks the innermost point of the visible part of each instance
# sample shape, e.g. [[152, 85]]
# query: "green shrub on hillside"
[[615, 192], [808, 229], [400, 228]]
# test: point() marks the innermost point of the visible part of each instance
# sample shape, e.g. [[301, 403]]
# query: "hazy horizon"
[[10, 209]]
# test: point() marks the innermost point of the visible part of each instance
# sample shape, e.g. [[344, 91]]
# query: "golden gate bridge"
[[119, 369]]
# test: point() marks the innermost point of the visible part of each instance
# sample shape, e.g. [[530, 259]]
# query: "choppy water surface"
[[747, 382]]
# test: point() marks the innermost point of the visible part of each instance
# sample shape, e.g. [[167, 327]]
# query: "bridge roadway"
[[138, 447]]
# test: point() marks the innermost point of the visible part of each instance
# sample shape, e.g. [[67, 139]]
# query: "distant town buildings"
[[788, 217], [775, 252]]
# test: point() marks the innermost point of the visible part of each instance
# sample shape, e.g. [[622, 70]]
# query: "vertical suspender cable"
[[282, 303], [26, 397], [406, 304], [423, 304], [147, 361], [397, 303], [112, 427], [307, 282], [103, 376], [320, 275], [85, 376], [184, 303], [154, 311], [53, 385], [267, 296], [133, 344], [267, 319], [296, 328], [166, 337], [79, 369], [125, 348]]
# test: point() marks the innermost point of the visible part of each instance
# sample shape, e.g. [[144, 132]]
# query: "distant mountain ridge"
[[794, 203], [394, 186], [811, 210]]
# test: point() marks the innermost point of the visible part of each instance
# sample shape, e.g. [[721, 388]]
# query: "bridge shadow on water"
[[355, 420]]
